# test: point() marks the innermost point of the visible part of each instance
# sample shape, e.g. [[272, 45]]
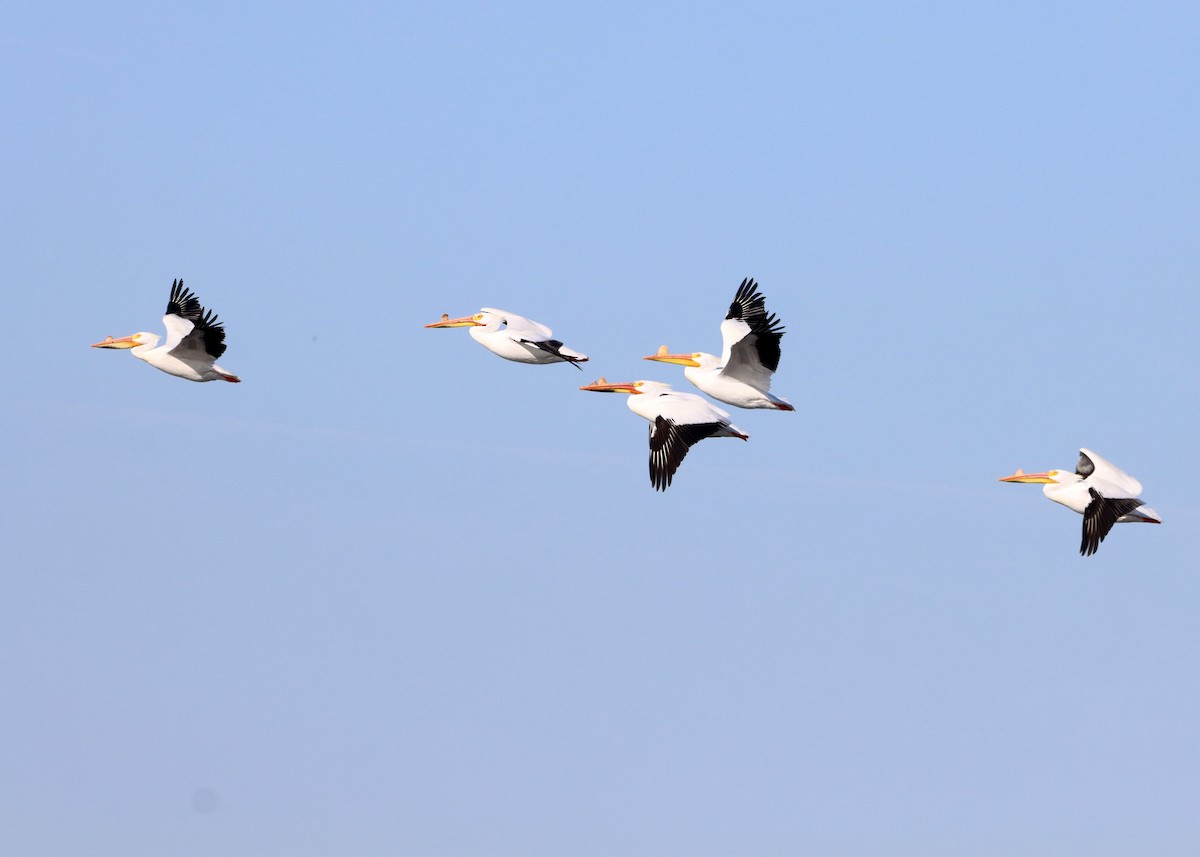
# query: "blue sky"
[[393, 595]]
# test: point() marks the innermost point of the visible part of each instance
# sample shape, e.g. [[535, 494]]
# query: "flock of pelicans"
[[1097, 489]]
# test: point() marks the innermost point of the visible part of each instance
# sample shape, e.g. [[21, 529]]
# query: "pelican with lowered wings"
[[514, 337], [1099, 490], [741, 376], [678, 421], [195, 339]]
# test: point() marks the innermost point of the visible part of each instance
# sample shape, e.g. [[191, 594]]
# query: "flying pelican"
[[678, 421], [195, 339], [514, 337], [741, 376], [1099, 490]]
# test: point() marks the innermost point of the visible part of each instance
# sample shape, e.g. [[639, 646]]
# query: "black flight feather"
[[204, 322], [552, 346], [747, 301], [213, 332], [183, 303], [750, 305], [669, 443], [1099, 517]]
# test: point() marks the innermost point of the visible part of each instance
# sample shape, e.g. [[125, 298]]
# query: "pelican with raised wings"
[[514, 337], [1099, 490], [741, 376], [195, 339], [678, 421]]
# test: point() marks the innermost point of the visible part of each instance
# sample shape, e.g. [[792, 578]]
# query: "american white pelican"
[[195, 339], [514, 337], [1099, 490], [678, 421], [741, 376]]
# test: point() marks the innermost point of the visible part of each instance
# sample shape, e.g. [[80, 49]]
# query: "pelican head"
[[632, 387], [1049, 477], [1055, 484], [603, 386], [663, 355], [134, 341], [466, 321]]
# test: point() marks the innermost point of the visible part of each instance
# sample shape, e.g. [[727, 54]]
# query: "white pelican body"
[[678, 421], [195, 339], [741, 376], [1099, 490], [514, 337]]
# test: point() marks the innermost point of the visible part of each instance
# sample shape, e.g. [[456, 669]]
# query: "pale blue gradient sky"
[[393, 595]]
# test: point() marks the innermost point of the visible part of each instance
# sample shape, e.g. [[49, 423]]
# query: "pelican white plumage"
[[741, 376], [678, 421], [1099, 490], [195, 339], [514, 337]]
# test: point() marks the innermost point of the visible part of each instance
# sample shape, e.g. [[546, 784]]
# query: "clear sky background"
[[395, 596]]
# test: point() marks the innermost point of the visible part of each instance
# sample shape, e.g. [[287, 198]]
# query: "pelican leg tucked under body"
[[1099, 490], [514, 337], [741, 376], [678, 421], [195, 339]]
